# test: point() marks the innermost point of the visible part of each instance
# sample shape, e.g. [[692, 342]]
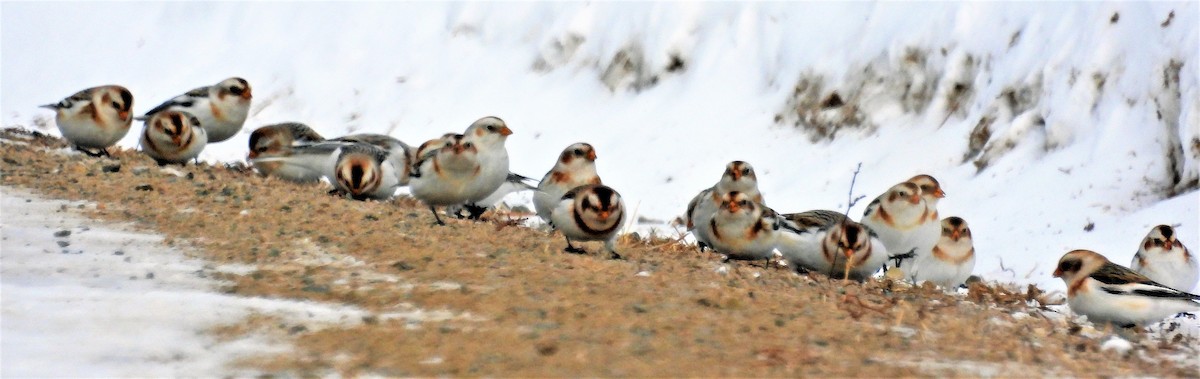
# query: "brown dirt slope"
[[490, 298]]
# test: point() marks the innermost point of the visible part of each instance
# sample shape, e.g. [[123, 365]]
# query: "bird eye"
[[235, 90], [946, 230], [491, 128], [745, 171], [578, 151], [115, 105], [468, 145]]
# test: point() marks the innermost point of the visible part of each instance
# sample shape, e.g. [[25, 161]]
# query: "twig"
[[850, 201]]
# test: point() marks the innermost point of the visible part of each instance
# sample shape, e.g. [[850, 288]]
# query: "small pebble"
[[62, 233], [63, 243], [144, 187]]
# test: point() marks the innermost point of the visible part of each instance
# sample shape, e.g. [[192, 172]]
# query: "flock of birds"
[[900, 230]]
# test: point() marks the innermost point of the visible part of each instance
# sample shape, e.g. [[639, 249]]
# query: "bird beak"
[[737, 175], [246, 94], [733, 208], [591, 156], [955, 235], [505, 131], [253, 154], [914, 200], [1058, 273], [49, 106], [604, 215], [849, 253], [124, 115], [939, 194], [458, 149]]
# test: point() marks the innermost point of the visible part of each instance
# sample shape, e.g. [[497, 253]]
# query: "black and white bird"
[[951, 260], [1162, 258], [743, 229], [905, 223], [399, 154], [173, 137], [738, 177], [279, 142], [830, 243], [221, 108], [462, 169], [1106, 292], [576, 166], [593, 212], [94, 118], [364, 171]]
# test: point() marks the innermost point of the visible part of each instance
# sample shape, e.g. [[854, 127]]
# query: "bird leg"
[[572, 249], [475, 211], [101, 153], [436, 217], [899, 258], [612, 251]]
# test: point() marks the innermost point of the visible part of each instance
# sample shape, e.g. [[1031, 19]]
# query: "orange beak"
[[1058, 273], [124, 115], [737, 175], [505, 131], [734, 208], [591, 155], [253, 154], [939, 194], [458, 149], [849, 253], [914, 200], [955, 235], [603, 215], [246, 94]]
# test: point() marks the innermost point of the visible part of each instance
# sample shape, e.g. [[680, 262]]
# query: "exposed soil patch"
[[494, 299]]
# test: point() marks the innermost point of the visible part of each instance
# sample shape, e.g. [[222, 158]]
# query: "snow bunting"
[[465, 169], [738, 176], [1164, 259], [828, 242], [589, 213], [364, 171], [1106, 292], [576, 166], [221, 108], [173, 137], [904, 222], [278, 140], [94, 118], [950, 262], [398, 153], [743, 229], [931, 190]]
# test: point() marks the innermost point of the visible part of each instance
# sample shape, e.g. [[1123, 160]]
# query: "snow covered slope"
[[1039, 119]]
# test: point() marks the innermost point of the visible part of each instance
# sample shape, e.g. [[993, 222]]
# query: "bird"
[[279, 140], [575, 167], [94, 118], [398, 153], [173, 137], [829, 242], [1162, 258], [743, 229], [592, 212], [221, 108], [1106, 292], [931, 190], [951, 260], [365, 171], [904, 222], [738, 176], [513, 183], [461, 169], [301, 163]]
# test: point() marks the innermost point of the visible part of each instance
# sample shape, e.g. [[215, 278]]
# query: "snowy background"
[[1039, 119]]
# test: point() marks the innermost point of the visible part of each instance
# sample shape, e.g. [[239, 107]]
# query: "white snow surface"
[[118, 303], [1095, 129]]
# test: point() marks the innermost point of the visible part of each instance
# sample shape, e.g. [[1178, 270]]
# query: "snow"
[[1118, 345], [1090, 119], [118, 303]]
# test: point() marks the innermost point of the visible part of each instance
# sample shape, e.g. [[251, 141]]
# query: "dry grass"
[[509, 303]]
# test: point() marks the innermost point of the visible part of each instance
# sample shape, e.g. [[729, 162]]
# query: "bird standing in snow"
[[1106, 292], [465, 169], [951, 260], [904, 222], [1165, 260], [575, 167], [173, 137], [591, 212], [738, 176], [221, 108], [94, 118], [829, 242]]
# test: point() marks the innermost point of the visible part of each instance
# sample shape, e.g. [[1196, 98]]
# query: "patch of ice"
[[1116, 344]]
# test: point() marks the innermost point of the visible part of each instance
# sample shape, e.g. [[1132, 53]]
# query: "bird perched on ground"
[[399, 154], [905, 224], [950, 262], [364, 171], [738, 176], [1165, 260], [173, 137], [513, 183], [828, 242], [742, 228], [591, 212], [576, 166], [279, 140], [931, 190], [94, 118], [465, 169], [1106, 292], [221, 108]]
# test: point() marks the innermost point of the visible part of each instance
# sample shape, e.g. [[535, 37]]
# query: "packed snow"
[[1051, 126]]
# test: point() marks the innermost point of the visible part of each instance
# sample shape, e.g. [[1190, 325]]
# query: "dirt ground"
[[492, 298]]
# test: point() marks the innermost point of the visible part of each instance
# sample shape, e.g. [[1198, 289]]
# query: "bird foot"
[[574, 250]]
